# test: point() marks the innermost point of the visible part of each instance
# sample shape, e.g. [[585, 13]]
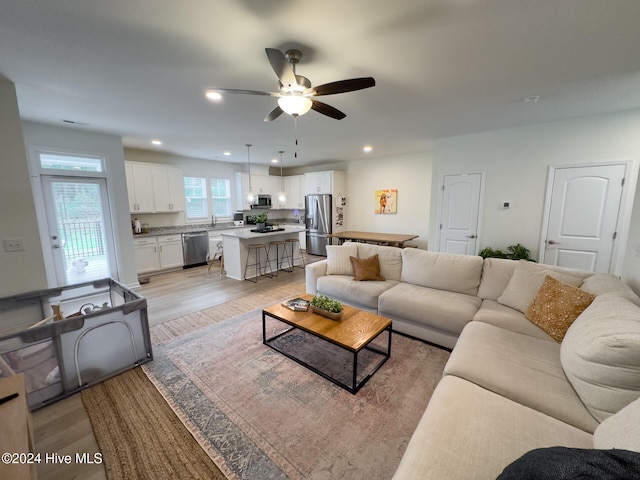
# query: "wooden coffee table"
[[354, 333]]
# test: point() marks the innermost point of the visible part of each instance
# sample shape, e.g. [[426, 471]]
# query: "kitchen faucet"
[[213, 220]]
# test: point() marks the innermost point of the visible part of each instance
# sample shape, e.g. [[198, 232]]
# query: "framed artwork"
[[386, 201]]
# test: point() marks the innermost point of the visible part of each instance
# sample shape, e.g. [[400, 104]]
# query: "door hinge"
[[615, 235], [440, 226], [443, 187], [622, 182]]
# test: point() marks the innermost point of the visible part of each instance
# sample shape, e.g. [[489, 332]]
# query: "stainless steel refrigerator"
[[318, 223]]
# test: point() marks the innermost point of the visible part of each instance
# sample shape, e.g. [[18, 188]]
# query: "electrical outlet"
[[13, 245]]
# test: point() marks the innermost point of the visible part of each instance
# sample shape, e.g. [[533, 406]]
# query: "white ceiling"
[[139, 69]]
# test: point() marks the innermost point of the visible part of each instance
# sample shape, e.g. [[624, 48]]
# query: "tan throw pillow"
[[556, 306], [525, 282], [366, 268], [338, 259]]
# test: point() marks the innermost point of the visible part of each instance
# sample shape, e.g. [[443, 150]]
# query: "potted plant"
[[327, 307], [515, 252], [261, 220]]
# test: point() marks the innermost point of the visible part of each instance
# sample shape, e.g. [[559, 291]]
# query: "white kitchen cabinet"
[[154, 188], [260, 184], [168, 189], [325, 182], [170, 251], [146, 254], [139, 188], [295, 187], [318, 182]]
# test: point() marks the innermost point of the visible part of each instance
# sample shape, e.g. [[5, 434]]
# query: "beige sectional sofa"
[[509, 387]]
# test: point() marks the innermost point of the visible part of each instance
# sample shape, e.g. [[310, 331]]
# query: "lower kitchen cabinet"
[[170, 251], [157, 253]]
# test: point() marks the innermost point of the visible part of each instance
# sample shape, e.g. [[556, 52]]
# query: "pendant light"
[[282, 194], [250, 197]]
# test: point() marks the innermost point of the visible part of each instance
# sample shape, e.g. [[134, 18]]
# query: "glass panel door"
[[80, 235]]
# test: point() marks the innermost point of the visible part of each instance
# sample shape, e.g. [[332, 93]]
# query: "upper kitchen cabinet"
[[139, 188], [295, 186], [325, 182], [168, 189], [154, 188], [259, 184]]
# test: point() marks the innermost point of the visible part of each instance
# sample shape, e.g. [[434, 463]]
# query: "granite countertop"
[[247, 234], [180, 229]]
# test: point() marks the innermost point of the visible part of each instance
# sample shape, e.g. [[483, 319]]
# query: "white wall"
[[19, 271], [516, 162], [411, 175], [110, 147]]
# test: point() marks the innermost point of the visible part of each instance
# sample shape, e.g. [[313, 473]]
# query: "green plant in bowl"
[[325, 303], [260, 217]]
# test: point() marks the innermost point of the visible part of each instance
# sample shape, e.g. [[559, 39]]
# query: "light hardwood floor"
[[64, 427]]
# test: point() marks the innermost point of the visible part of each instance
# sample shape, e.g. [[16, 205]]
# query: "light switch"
[[13, 245]]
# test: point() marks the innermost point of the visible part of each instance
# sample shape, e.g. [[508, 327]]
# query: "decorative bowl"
[[326, 313]]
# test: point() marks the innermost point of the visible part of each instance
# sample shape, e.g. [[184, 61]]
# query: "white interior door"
[[583, 212], [460, 212], [80, 235]]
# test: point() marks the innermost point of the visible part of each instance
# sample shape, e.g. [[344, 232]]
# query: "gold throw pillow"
[[556, 306], [366, 268]]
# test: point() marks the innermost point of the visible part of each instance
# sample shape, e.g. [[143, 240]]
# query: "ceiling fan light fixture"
[[294, 104], [213, 95]]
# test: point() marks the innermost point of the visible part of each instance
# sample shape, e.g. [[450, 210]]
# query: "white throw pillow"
[[525, 282], [621, 430], [600, 355], [601, 283], [338, 262]]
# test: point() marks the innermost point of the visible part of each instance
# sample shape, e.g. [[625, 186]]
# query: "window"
[[54, 161], [195, 191], [221, 196]]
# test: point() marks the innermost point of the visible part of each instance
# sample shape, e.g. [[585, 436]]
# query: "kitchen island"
[[236, 248]]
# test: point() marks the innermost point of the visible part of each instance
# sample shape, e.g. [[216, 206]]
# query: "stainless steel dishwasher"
[[195, 248]]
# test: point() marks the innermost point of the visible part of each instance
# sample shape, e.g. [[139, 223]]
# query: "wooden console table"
[[393, 239]]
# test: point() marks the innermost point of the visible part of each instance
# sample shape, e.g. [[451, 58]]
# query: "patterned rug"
[[260, 415]]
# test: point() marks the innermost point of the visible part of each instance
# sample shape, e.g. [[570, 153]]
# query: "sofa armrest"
[[313, 271]]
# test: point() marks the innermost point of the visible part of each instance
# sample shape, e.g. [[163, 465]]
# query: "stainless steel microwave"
[[264, 201]]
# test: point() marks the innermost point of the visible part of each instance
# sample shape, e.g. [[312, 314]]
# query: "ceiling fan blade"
[[281, 66], [343, 86], [273, 114], [327, 110], [245, 92]]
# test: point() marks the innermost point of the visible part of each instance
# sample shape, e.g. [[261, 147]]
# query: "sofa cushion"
[[446, 311], [496, 273], [390, 258], [618, 430], [468, 432], [358, 294], [338, 262], [499, 315], [444, 271], [556, 306], [602, 283], [601, 355], [366, 269], [524, 369], [525, 282]]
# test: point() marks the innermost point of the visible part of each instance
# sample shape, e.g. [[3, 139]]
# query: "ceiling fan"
[[295, 93]]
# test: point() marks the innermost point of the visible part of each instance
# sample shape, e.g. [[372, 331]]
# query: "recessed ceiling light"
[[156, 142], [532, 99], [274, 160], [367, 148], [227, 154], [213, 95]]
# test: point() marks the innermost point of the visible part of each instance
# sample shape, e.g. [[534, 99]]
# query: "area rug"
[[139, 435], [260, 415]]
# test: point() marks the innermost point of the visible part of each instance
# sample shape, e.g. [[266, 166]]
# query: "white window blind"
[[195, 191], [221, 196]]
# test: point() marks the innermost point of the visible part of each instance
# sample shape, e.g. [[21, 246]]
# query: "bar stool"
[[292, 242], [218, 253], [256, 249], [280, 259]]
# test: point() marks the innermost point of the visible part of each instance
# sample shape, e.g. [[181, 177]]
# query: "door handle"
[[471, 236], [551, 242]]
